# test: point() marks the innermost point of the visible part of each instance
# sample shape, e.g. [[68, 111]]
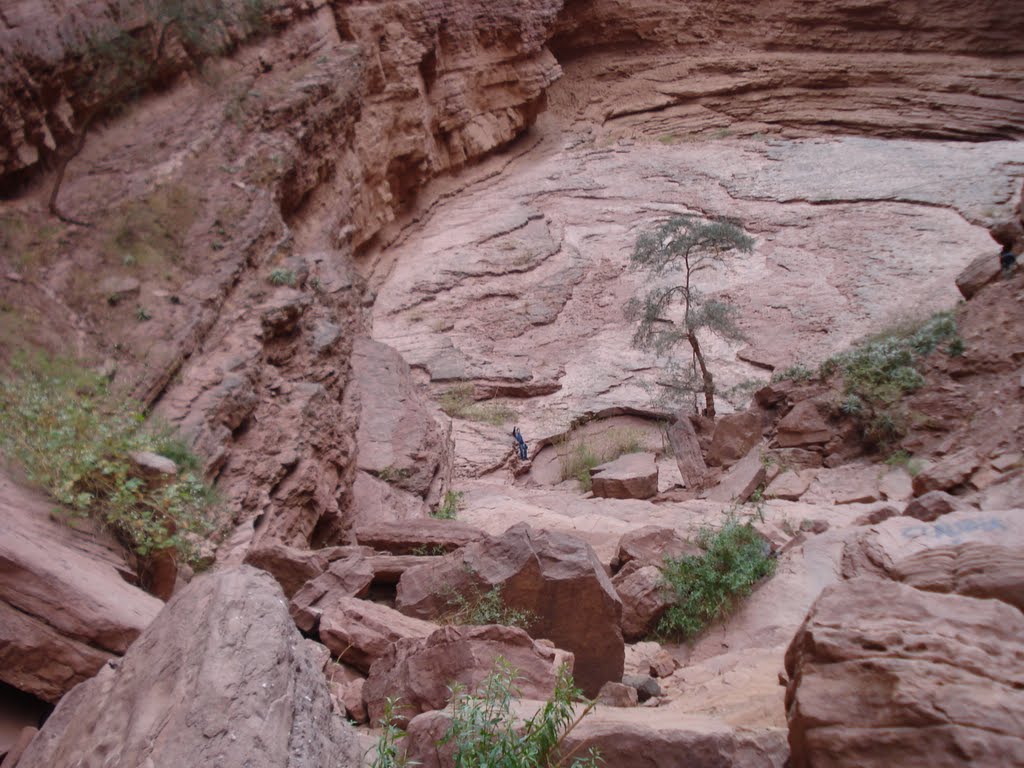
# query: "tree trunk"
[[709, 382]]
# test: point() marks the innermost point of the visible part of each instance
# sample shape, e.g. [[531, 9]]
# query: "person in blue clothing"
[[1007, 258], [520, 444]]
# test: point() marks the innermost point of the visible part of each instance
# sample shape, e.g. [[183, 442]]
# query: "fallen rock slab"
[[358, 632], [350, 577], [420, 671], [221, 677], [411, 537], [291, 566], [644, 601], [734, 436], [933, 505], [951, 472], [883, 674], [803, 425], [983, 270], [688, 455], [740, 481], [652, 544], [633, 476], [790, 486]]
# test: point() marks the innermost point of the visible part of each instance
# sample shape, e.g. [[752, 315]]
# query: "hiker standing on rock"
[[1007, 258], [520, 446]]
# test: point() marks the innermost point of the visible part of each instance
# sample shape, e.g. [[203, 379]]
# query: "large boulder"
[[740, 482], [735, 434], [412, 537], [652, 544], [644, 600], [350, 577], [65, 607], [420, 671], [980, 272], [972, 569], [883, 674], [633, 476], [221, 677], [686, 448], [358, 632], [803, 425], [555, 577]]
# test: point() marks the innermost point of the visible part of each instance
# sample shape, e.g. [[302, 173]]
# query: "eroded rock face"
[[884, 674], [556, 577], [420, 670], [220, 677], [359, 631]]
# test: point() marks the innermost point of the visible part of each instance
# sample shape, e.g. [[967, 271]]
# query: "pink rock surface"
[[359, 631], [633, 476]]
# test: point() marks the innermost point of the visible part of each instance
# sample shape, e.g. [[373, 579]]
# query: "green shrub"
[[797, 373], [488, 607], [581, 457], [707, 586], [449, 507], [485, 731], [282, 277], [458, 403], [74, 440]]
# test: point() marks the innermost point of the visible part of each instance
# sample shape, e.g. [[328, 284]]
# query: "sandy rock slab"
[[633, 476], [221, 677], [883, 674]]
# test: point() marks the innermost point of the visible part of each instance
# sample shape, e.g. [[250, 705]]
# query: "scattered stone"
[[883, 674], [411, 537], [156, 470], [983, 270], [774, 393], [282, 318], [876, 516], [934, 504], [652, 544], [734, 436], [803, 425], [687, 452], [790, 485], [632, 476], [645, 685], [814, 526], [358, 632], [419, 671], [221, 675], [834, 460], [947, 474], [663, 665], [740, 481], [350, 577], [614, 694], [557, 578]]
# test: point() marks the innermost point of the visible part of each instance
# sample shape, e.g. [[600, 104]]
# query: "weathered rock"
[[646, 686], [65, 608], [933, 505], [419, 671], [735, 434], [688, 455], [388, 569], [633, 476], [350, 577], [883, 674], [878, 515], [359, 631], [402, 438], [644, 601], [652, 544], [17, 749], [617, 695], [662, 665], [790, 485], [980, 272], [155, 469], [952, 471], [220, 676], [416, 536], [556, 577], [972, 569], [740, 481], [373, 501], [354, 701], [291, 566], [804, 425], [896, 485]]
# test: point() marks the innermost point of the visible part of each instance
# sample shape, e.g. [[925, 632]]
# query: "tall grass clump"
[[581, 457], [458, 403], [707, 586], [485, 731], [75, 440]]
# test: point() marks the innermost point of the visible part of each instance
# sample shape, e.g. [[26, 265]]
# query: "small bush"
[[282, 277], [797, 373], [485, 731], [707, 586], [488, 607], [458, 403], [448, 508], [578, 462], [74, 440], [581, 457]]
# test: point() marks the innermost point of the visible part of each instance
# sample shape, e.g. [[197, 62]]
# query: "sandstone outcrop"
[[358, 632], [971, 569], [419, 671], [556, 578], [220, 676], [882, 673], [65, 604]]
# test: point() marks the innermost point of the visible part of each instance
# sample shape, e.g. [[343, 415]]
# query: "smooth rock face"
[[419, 671], [221, 677], [64, 607], [735, 434], [884, 674], [556, 577], [633, 476]]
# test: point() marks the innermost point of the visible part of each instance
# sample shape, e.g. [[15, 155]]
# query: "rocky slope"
[[273, 270]]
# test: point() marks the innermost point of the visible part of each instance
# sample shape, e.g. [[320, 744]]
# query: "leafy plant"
[[479, 607], [485, 731], [281, 276], [142, 314], [449, 508], [580, 457], [75, 440], [707, 586], [796, 372], [686, 245], [577, 462]]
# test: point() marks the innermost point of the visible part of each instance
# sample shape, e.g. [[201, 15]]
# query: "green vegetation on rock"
[[458, 403]]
